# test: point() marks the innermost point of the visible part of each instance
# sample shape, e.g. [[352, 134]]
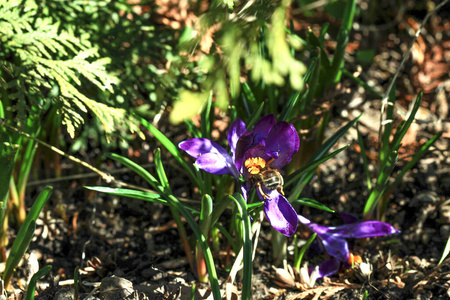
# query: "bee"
[[262, 175]]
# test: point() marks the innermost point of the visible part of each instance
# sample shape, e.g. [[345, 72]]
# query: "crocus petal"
[[349, 218], [363, 229], [215, 163], [280, 213], [263, 127], [334, 244], [328, 268], [210, 150], [237, 129], [244, 143], [197, 146], [281, 143]]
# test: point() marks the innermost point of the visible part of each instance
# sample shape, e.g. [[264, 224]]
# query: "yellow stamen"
[[254, 165]]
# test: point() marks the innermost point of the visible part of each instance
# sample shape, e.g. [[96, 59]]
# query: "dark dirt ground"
[[138, 242]]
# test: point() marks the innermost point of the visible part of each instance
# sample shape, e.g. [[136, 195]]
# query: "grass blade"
[[25, 234], [136, 168], [386, 126], [342, 40], [156, 198], [311, 166], [312, 203], [445, 252], [292, 101], [380, 186], [160, 171], [255, 117], [32, 285], [171, 148], [299, 257], [365, 160], [247, 260], [418, 155], [403, 129], [21, 246]]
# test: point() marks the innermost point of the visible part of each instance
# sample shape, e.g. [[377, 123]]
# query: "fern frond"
[[48, 58]]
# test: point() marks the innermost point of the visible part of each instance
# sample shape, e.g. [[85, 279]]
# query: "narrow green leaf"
[[365, 160], [21, 246], [292, 101], [333, 139], [7, 157], [402, 131], [446, 251], [136, 168], [299, 258], [155, 198], [255, 117], [416, 157], [312, 203], [207, 208], [201, 239], [248, 99], [21, 238], [207, 119], [303, 179], [322, 34], [362, 83], [228, 236], [247, 260], [160, 171], [32, 285], [380, 185], [76, 282], [386, 145], [311, 166], [342, 40], [171, 148], [195, 132]]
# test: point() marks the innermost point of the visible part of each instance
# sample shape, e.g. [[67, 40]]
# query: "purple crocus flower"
[[335, 243], [258, 156]]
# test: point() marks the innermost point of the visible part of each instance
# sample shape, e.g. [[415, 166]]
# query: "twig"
[[106, 176]]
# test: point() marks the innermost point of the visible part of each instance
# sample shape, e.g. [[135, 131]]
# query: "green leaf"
[[25, 234], [292, 101], [247, 231], [299, 257], [255, 117], [416, 157], [160, 171], [446, 251], [172, 149], [206, 214], [318, 155], [401, 131], [32, 285], [141, 195], [380, 185], [136, 168], [365, 160], [312, 203], [311, 166]]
